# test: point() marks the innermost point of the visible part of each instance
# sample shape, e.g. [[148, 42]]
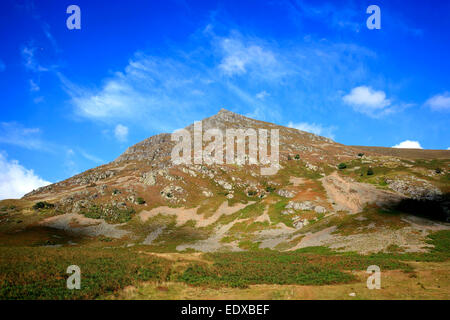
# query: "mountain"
[[322, 193]]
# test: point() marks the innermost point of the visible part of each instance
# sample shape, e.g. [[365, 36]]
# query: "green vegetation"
[[40, 273], [369, 171], [43, 205], [247, 227], [250, 211], [110, 213], [441, 242], [258, 267], [307, 267], [140, 200], [431, 164], [248, 245], [342, 166], [171, 235], [275, 213], [297, 157], [296, 169]]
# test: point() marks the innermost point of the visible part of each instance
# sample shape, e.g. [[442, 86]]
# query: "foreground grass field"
[[316, 272], [40, 273], [429, 280]]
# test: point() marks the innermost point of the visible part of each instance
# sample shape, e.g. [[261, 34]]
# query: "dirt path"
[[297, 181], [352, 196]]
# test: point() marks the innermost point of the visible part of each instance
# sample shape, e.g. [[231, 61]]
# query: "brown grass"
[[406, 153]]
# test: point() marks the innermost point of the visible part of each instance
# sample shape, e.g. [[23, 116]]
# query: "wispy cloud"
[[164, 92], [31, 8], [90, 157], [34, 86], [72, 157], [29, 60], [159, 90], [121, 132], [49, 35], [16, 180], [314, 128], [335, 16], [14, 133], [239, 57], [150, 91], [38, 99], [439, 102]]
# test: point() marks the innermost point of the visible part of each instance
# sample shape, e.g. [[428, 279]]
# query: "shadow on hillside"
[[437, 208]]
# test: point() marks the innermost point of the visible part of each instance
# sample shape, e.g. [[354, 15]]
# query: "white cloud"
[[121, 132], [16, 180], [448, 148], [408, 144], [313, 128], [373, 103], [262, 95], [366, 100], [439, 102]]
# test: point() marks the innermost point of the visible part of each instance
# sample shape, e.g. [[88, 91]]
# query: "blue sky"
[[74, 99]]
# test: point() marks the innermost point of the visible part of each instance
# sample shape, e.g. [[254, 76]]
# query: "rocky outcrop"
[[414, 188], [155, 147], [285, 193], [305, 205]]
